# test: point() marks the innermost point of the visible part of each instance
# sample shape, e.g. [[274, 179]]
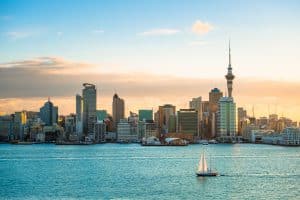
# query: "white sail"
[[202, 167]]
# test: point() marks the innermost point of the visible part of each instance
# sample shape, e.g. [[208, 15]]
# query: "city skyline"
[[180, 54]]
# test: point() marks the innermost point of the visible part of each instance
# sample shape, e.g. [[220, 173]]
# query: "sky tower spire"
[[229, 65], [229, 76]]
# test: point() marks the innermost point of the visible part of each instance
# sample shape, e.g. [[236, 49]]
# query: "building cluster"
[[214, 118], [269, 130]]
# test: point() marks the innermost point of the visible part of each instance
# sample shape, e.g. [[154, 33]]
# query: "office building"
[[133, 120], [49, 113], [241, 119], [166, 119], [89, 96], [187, 122], [100, 132], [214, 97], [147, 128], [226, 117], [118, 110], [124, 133], [78, 114]]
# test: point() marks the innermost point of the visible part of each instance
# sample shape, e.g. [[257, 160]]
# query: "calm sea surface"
[[130, 171]]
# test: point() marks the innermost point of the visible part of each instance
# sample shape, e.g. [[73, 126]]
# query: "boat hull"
[[207, 174]]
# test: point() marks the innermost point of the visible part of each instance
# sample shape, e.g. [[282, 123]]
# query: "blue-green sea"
[[130, 171]]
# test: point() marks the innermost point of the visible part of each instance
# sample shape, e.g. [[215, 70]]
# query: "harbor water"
[[131, 171]]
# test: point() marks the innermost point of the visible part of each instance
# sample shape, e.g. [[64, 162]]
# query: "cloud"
[[99, 31], [27, 84], [201, 28], [160, 32], [15, 35], [49, 65]]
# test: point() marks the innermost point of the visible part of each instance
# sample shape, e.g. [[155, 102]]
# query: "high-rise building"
[[118, 110], [187, 121], [89, 96], [205, 122], [133, 120], [166, 119], [100, 131], [145, 115], [6, 126], [242, 119], [20, 120], [214, 97], [229, 76], [78, 114], [196, 103], [55, 115], [70, 126], [226, 122], [49, 113]]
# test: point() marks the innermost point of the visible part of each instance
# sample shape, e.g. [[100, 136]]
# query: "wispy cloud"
[[50, 65], [201, 28], [160, 32], [98, 31]]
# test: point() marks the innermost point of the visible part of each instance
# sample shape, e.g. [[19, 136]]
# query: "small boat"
[[203, 170]]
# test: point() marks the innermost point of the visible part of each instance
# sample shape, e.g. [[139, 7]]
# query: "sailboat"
[[203, 170]]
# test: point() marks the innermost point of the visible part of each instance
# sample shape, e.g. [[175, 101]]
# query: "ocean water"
[[130, 171]]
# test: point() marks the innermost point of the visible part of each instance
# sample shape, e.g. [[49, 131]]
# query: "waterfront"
[[131, 171]]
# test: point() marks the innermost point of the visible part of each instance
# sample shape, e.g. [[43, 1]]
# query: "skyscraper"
[[242, 119], [78, 114], [187, 121], [214, 97], [196, 104], [118, 110], [229, 76], [89, 96], [166, 118], [49, 113], [226, 117]]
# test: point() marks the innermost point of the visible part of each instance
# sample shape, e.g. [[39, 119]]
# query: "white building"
[[226, 117], [290, 136], [124, 132]]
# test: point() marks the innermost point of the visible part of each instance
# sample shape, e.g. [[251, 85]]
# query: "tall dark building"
[[229, 76], [49, 113], [89, 97], [118, 110]]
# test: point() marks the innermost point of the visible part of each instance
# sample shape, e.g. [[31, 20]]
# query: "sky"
[[150, 52]]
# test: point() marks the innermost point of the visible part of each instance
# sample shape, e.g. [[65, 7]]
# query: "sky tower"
[[229, 76]]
